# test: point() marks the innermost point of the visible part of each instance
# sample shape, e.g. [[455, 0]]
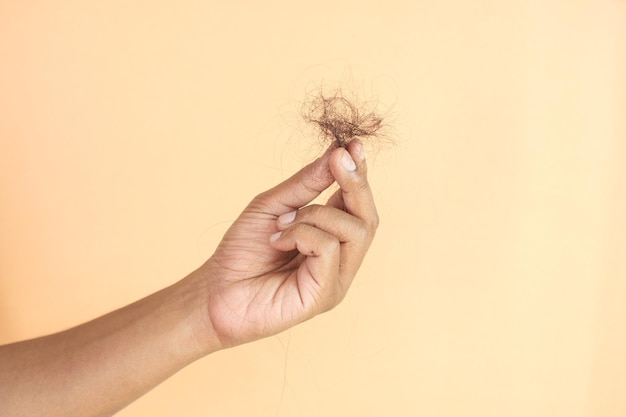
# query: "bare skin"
[[280, 263]]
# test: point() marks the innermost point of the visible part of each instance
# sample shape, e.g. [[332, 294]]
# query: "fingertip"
[[345, 162], [275, 236], [357, 150], [356, 194], [287, 218], [342, 161]]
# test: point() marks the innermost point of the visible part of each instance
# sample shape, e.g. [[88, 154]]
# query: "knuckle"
[[297, 228], [310, 187], [362, 185], [375, 222], [261, 198], [314, 210], [333, 245], [263, 202], [293, 232], [370, 226], [362, 233]]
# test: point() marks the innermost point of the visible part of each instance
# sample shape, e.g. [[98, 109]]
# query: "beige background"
[[132, 133]]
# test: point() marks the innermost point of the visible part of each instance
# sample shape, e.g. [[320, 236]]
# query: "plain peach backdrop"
[[132, 133]]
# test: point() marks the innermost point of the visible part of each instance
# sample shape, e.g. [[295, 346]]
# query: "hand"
[[282, 262]]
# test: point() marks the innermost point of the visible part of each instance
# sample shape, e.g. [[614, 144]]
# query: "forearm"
[[101, 366]]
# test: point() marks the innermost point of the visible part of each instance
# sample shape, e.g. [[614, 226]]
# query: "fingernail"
[[287, 217], [360, 152], [275, 236], [347, 162]]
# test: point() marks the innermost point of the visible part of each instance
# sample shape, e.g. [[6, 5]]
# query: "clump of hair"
[[339, 119]]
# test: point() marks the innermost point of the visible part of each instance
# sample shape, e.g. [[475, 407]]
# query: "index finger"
[[349, 169]]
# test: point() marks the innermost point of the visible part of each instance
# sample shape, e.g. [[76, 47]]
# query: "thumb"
[[301, 188]]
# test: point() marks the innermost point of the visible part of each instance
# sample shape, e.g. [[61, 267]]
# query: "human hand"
[[283, 262]]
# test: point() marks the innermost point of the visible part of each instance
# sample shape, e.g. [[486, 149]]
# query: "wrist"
[[194, 296]]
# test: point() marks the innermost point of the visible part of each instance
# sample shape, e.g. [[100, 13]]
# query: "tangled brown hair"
[[339, 119]]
